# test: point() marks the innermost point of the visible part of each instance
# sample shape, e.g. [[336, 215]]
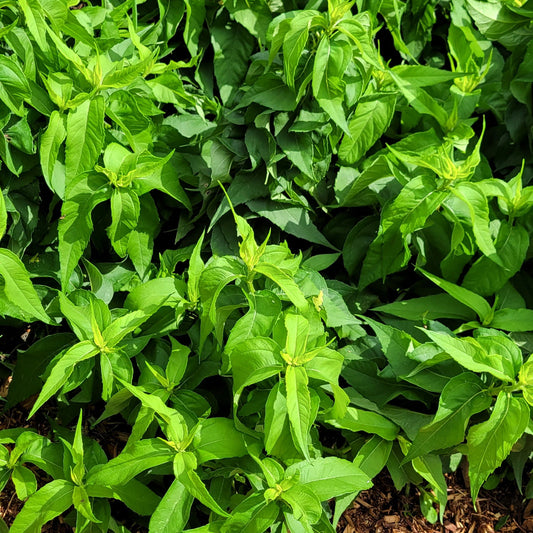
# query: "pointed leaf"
[[371, 118], [43, 506], [463, 396], [63, 369], [85, 136], [490, 442], [298, 406], [18, 288]]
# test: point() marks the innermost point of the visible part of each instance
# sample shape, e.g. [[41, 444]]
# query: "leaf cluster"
[[284, 243]]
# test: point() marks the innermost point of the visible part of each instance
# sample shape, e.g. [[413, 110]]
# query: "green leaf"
[[350, 183], [373, 456], [430, 468], [496, 22], [196, 267], [285, 282], [423, 76], [81, 502], [387, 254], [122, 76], [332, 58], [298, 406], [294, 44], [63, 369], [26, 380], [305, 504], [78, 317], [172, 513], [85, 136], [35, 21], [477, 303], [432, 307], [463, 396], [490, 442], [329, 477], [509, 351], [265, 308], [194, 24], [5, 474], [255, 18], [192, 482], [254, 360], [6, 155], [125, 210], [276, 418], [297, 328], [293, 220], [245, 186], [473, 355], [24, 481], [217, 438], [51, 141], [141, 239], [359, 420], [138, 497], [75, 227], [485, 277], [43, 506], [371, 118], [232, 46], [411, 208], [218, 273], [270, 91], [395, 344], [176, 424], [18, 288], [177, 361], [3, 215], [513, 319], [420, 100], [299, 149], [323, 364], [124, 325], [476, 203], [251, 515], [101, 286], [14, 87], [161, 174], [320, 262], [140, 456], [154, 293]]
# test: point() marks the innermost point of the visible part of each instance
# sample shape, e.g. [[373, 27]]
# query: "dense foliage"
[[286, 241]]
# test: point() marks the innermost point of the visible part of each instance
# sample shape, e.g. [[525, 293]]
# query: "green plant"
[[286, 243]]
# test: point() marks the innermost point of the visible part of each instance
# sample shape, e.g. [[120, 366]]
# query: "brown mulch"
[[382, 509]]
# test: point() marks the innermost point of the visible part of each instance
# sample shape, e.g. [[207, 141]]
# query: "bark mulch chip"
[[382, 509]]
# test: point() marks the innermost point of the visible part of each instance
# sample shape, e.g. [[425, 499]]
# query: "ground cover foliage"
[[286, 241]]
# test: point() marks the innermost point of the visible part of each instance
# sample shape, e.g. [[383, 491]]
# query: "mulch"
[[382, 509]]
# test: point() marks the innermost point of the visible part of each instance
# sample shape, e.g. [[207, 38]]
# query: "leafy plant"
[[283, 244]]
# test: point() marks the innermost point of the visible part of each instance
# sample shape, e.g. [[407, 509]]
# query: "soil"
[[382, 509]]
